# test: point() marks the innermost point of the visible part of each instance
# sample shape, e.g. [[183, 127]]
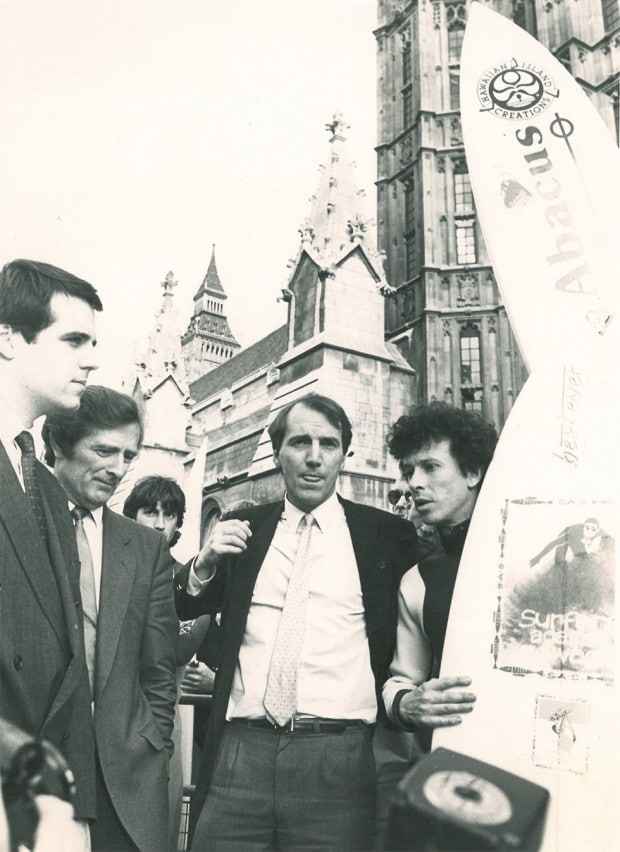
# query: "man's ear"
[[7, 345], [473, 478], [276, 459]]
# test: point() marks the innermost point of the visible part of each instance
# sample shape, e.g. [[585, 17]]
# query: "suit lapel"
[[244, 573], [118, 570], [21, 528], [375, 579]]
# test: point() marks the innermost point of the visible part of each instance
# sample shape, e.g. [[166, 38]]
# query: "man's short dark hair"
[[151, 490], [329, 408], [100, 408], [472, 439], [26, 288]]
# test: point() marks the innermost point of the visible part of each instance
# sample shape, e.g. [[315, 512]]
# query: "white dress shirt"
[[335, 677], [10, 428]]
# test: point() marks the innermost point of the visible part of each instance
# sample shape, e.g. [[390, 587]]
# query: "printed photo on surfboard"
[[561, 734], [556, 597]]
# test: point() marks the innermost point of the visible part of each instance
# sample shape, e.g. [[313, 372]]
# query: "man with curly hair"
[[443, 454]]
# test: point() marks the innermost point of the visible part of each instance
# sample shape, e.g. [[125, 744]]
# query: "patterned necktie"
[[281, 694], [29, 471], [89, 596]]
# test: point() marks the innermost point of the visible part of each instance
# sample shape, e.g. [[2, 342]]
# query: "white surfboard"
[[546, 178], [533, 617]]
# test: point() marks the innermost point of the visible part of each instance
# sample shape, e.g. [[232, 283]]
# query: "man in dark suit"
[[131, 650], [47, 334], [307, 588]]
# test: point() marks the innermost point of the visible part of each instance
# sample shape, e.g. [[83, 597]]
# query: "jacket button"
[[18, 662]]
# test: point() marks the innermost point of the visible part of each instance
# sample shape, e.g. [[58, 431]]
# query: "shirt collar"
[[96, 514], [10, 427], [326, 515]]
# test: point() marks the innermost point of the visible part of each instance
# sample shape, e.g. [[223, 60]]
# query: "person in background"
[[159, 502], [400, 499], [130, 623], [47, 339], [307, 587], [443, 454]]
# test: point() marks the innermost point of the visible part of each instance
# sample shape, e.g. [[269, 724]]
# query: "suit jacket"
[[385, 547], [135, 676], [43, 678]]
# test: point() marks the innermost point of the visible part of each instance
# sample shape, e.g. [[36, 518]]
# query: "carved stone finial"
[[306, 231], [168, 284], [337, 126], [357, 228]]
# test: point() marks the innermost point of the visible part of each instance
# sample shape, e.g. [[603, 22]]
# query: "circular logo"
[[516, 90]]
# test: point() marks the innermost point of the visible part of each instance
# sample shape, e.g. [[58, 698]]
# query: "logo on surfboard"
[[516, 90]]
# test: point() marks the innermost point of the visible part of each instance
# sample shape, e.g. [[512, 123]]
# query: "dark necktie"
[[29, 460], [89, 595]]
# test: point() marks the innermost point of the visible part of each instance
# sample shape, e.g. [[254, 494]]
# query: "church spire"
[[337, 220], [211, 283], [160, 356], [337, 271], [208, 340]]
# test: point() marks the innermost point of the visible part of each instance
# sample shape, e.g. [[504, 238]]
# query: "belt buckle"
[[291, 725]]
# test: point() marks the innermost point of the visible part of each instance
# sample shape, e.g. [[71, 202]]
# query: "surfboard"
[[533, 617], [545, 172]]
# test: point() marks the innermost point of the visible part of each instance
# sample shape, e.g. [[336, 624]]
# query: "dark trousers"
[[107, 833], [282, 791]]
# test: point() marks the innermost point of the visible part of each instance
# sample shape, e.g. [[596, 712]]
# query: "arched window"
[[456, 18], [471, 372]]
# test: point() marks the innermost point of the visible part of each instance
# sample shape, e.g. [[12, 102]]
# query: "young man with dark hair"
[[47, 336], [130, 623], [443, 454], [307, 587], [157, 502]]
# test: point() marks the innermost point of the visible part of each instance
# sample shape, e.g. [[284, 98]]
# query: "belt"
[[309, 724]]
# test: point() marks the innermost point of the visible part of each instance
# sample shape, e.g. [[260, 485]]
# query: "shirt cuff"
[[407, 726], [195, 586]]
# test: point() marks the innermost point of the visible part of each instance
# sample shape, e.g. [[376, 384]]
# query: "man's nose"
[[89, 361], [117, 466], [313, 456], [416, 480], [159, 521]]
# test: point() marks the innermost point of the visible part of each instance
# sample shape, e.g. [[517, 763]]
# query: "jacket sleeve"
[[208, 602], [413, 659], [159, 641]]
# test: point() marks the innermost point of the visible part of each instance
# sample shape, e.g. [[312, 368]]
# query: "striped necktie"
[[280, 699], [31, 486], [88, 592]]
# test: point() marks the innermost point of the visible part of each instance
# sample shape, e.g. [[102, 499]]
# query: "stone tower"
[[159, 386], [208, 340], [446, 317], [333, 343]]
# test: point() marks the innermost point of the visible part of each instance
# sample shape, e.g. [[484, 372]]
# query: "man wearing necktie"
[[307, 588], [47, 335], [129, 621]]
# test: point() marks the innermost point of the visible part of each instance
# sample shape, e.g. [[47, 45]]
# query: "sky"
[[135, 135]]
